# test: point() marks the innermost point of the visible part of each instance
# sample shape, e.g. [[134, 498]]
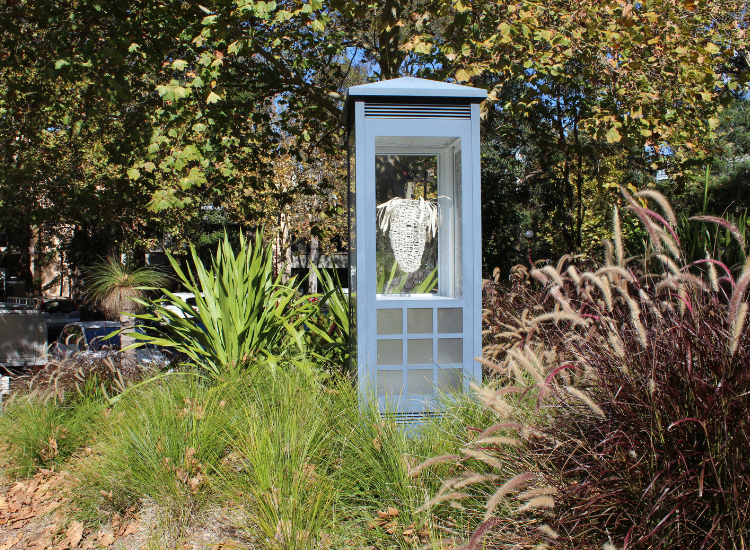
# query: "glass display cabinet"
[[414, 240]]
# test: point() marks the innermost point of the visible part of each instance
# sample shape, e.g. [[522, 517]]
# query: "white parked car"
[[187, 297]]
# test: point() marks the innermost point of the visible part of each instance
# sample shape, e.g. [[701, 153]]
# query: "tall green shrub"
[[241, 310]]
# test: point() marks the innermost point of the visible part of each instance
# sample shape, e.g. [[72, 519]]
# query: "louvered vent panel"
[[390, 110]]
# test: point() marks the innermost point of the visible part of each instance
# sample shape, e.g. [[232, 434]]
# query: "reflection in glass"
[[415, 178]]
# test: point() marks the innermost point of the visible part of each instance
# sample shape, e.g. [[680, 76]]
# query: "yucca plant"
[[329, 333], [241, 312], [640, 372]]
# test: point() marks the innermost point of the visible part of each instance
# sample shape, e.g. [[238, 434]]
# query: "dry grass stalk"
[[499, 440], [431, 461], [511, 485], [442, 498], [737, 326], [483, 457], [537, 492], [474, 479], [619, 250], [596, 409], [538, 503]]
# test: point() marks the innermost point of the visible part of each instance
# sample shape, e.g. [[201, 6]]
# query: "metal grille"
[[390, 110]]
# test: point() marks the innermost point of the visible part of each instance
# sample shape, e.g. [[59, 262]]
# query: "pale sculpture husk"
[[410, 221]]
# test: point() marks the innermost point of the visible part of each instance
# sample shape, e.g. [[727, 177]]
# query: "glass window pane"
[[419, 320], [406, 242], [450, 351], [450, 320], [419, 352], [390, 382], [390, 321], [450, 380], [390, 352], [419, 381]]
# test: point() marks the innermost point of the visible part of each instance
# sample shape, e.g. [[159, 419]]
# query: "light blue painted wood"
[[437, 131]]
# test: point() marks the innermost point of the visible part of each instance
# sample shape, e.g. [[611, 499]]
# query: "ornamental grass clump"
[[639, 371]]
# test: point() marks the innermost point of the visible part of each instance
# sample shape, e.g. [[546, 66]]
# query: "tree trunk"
[[312, 280]]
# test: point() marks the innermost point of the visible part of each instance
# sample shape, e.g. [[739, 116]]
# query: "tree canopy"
[[138, 114]]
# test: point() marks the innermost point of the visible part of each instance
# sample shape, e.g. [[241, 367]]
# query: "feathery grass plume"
[[607, 252], [726, 224], [442, 498], [474, 479], [609, 546], [609, 269], [553, 274], [669, 282], [499, 440], [603, 285], [547, 490], [494, 367], [503, 409], [562, 300], [671, 266], [670, 243], [537, 503], [516, 483], [483, 457], [513, 367], [653, 306], [713, 277], [596, 409], [662, 202], [737, 326], [560, 316], [635, 316], [617, 227], [497, 427], [691, 279], [540, 276], [561, 262], [548, 531], [524, 360], [616, 343], [643, 215], [738, 295], [573, 274], [430, 462]]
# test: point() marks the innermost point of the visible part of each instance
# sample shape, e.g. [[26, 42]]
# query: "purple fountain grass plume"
[[431, 461], [537, 503], [511, 485], [726, 224], [442, 498], [662, 202], [737, 326], [504, 426]]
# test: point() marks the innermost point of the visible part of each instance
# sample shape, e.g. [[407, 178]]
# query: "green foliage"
[[39, 432], [242, 311], [329, 328], [162, 442]]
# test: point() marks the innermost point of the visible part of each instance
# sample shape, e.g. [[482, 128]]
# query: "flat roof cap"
[[409, 86]]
